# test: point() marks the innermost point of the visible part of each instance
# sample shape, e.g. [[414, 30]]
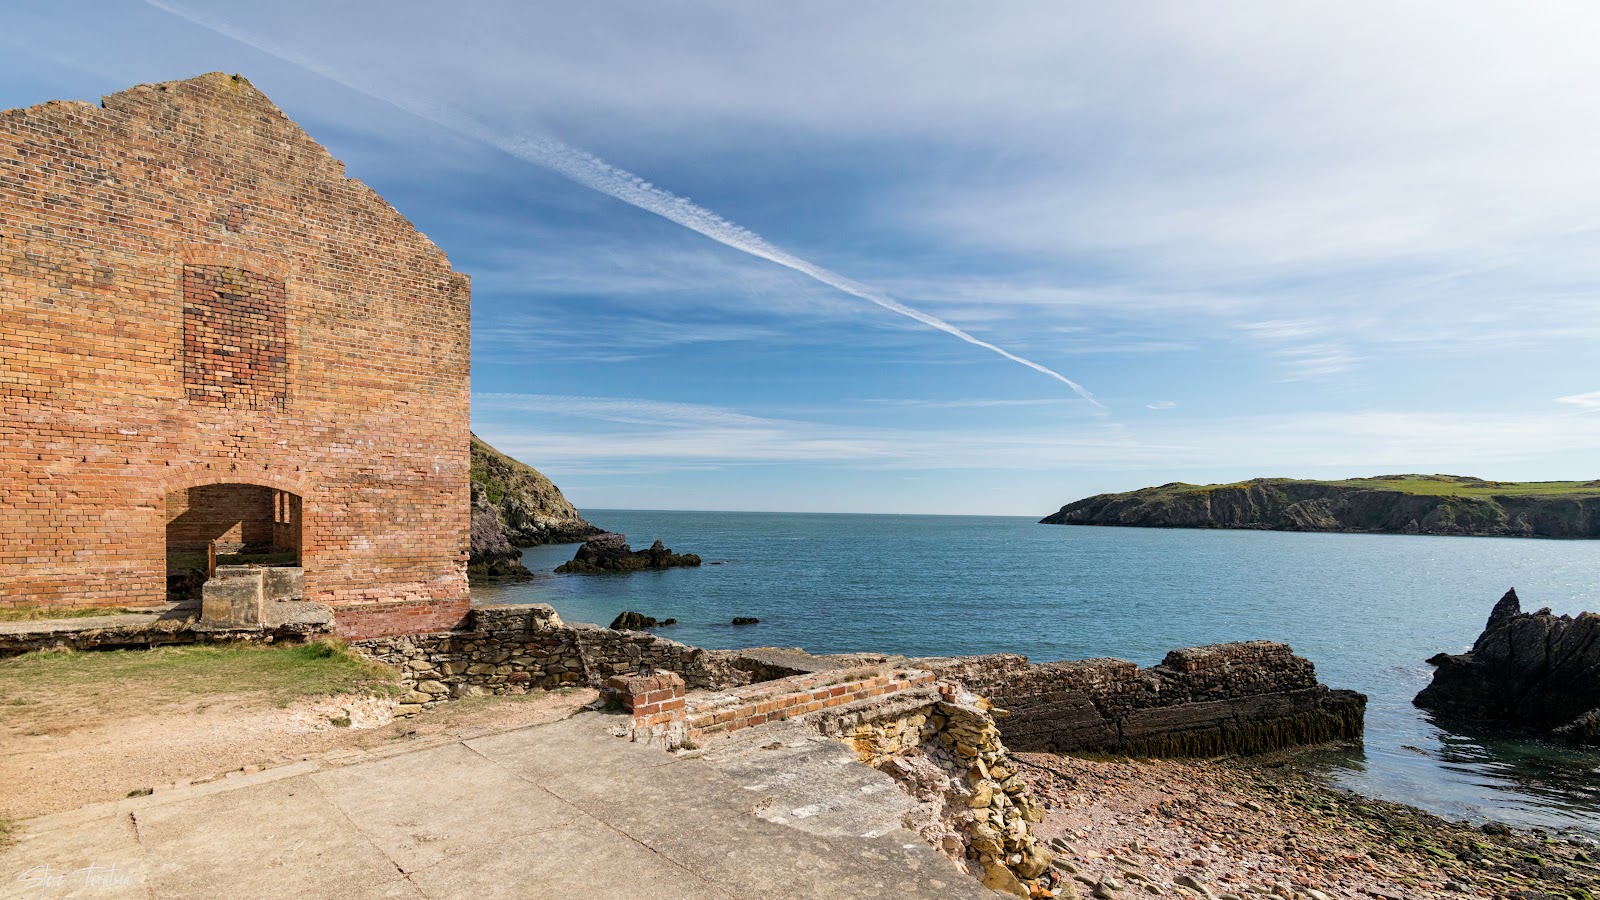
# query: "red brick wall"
[[235, 349], [345, 381], [230, 514]]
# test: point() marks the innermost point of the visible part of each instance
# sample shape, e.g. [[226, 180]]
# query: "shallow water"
[[1367, 609]]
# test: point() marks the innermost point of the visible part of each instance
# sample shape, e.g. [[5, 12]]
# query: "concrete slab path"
[[562, 810]]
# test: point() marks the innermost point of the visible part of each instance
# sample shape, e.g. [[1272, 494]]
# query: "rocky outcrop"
[[492, 558], [629, 620], [532, 510], [1533, 670], [1359, 505], [609, 552], [1239, 698]]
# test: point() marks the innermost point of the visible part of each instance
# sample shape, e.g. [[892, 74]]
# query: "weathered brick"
[[198, 308]]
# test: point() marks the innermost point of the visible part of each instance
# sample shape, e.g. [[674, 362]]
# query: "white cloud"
[[1161, 404], [678, 435], [1589, 402]]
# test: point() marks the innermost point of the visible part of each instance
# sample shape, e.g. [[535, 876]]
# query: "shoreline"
[[1262, 827]]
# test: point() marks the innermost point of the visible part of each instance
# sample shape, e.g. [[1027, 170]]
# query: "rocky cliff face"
[[492, 557], [514, 506], [532, 509], [1285, 505], [1527, 669]]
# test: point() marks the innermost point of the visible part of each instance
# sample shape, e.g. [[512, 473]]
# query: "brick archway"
[[228, 523]]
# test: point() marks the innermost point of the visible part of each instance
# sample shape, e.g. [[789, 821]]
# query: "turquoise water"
[[1367, 609]]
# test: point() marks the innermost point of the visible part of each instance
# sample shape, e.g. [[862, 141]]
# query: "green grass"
[[37, 613], [278, 673], [1429, 485]]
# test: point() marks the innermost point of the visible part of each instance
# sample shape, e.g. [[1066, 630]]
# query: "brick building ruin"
[[213, 342]]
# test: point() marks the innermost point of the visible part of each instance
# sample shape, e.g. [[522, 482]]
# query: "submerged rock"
[[1533, 670], [746, 620], [609, 552]]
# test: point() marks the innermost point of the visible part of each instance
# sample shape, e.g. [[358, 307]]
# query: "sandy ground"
[[68, 756], [1196, 829]]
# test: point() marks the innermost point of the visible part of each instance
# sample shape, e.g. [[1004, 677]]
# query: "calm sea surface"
[[1367, 609]]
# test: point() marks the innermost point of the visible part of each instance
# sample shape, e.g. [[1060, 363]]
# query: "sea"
[[1367, 610]]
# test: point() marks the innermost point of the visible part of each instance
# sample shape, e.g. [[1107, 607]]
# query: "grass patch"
[[8, 833], [38, 613], [279, 673], [1426, 485]]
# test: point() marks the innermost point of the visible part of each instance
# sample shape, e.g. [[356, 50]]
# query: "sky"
[[956, 258]]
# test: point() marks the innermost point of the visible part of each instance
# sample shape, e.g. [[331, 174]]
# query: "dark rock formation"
[[532, 509], [632, 621], [609, 552], [1533, 670], [491, 556], [1253, 697], [1361, 505], [746, 620]]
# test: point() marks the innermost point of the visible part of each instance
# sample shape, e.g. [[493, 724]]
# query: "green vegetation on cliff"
[[513, 506], [532, 509], [1398, 504]]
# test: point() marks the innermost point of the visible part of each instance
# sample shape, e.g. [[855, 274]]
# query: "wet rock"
[[1532, 670], [633, 621], [609, 552], [745, 620]]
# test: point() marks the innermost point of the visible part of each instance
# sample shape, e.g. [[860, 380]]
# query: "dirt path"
[[74, 749], [1233, 828]]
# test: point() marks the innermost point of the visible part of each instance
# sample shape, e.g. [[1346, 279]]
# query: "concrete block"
[[236, 596]]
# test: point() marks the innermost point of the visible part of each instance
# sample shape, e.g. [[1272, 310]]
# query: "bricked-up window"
[[234, 337]]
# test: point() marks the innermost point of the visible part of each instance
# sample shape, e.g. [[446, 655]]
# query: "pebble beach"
[[1260, 828]]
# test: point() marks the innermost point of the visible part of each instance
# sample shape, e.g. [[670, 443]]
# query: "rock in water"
[[632, 621], [746, 620], [1533, 670], [609, 552]]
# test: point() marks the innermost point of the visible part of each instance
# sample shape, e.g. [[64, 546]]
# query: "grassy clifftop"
[[1398, 504]]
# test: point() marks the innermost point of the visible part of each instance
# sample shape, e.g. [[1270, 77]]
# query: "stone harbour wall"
[[1251, 697]]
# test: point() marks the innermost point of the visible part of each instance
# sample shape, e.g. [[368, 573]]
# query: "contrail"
[[592, 172]]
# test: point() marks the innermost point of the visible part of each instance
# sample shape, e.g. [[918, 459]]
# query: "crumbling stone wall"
[[1248, 697], [192, 293], [510, 650], [944, 747]]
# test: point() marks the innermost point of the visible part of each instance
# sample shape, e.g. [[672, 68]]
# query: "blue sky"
[[847, 257]]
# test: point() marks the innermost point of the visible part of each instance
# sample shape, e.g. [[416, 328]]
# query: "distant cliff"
[[1397, 504], [515, 506]]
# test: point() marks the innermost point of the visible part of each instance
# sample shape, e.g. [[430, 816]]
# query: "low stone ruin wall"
[[510, 650], [1252, 697]]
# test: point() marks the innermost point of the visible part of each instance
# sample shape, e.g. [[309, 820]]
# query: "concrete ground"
[[564, 810]]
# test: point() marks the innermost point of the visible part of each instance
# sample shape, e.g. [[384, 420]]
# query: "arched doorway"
[[228, 524]]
